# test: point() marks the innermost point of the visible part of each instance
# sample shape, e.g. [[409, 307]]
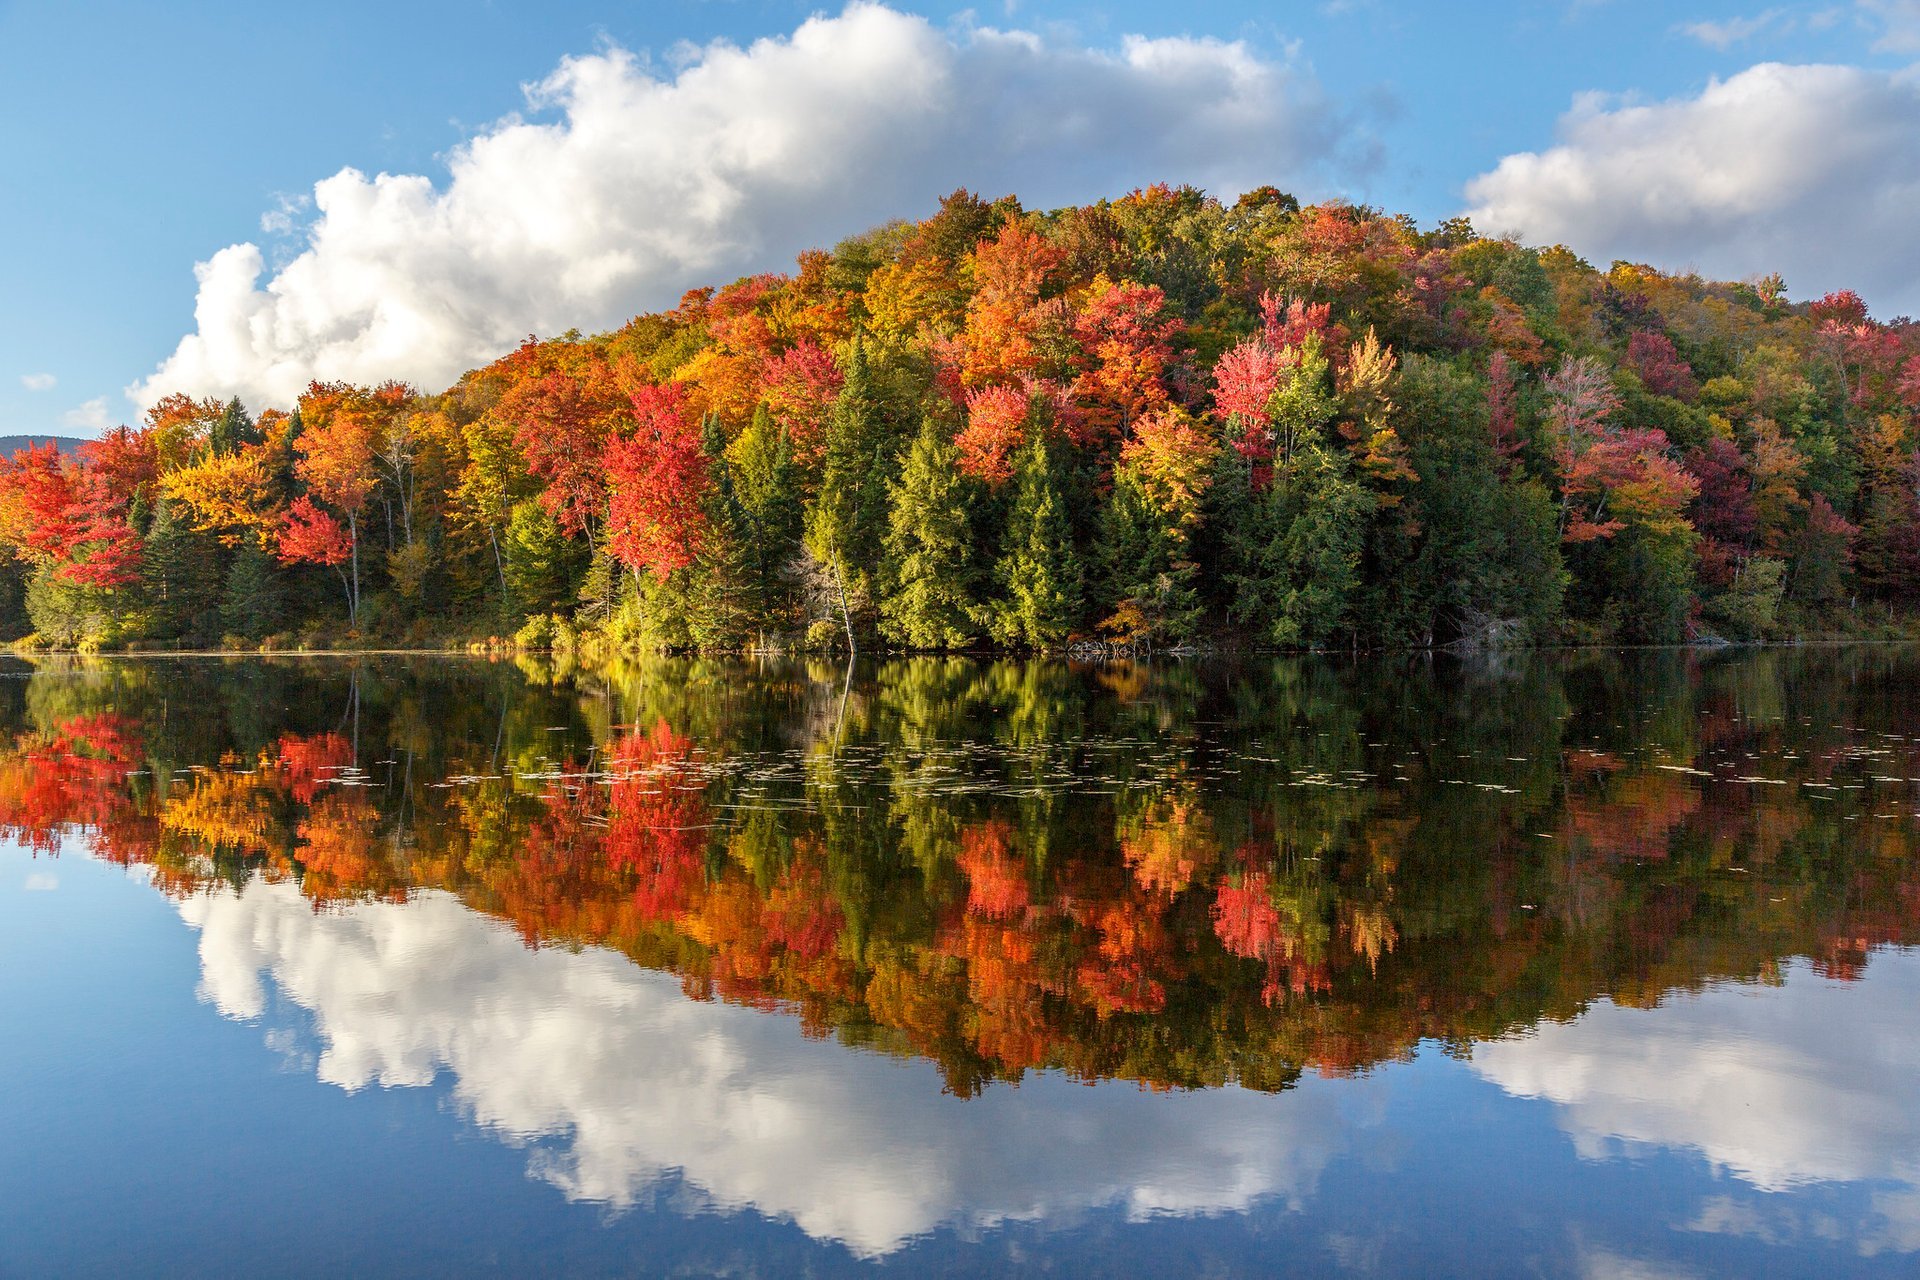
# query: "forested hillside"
[[1147, 422]]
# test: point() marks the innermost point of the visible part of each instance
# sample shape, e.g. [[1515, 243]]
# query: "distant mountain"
[[9, 445]]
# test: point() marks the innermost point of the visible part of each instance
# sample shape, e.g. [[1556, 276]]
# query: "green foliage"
[[1749, 608], [542, 563], [250, 604], [1039, 573], [66, 616], [1150, 581], [183, 579], [930, 600]]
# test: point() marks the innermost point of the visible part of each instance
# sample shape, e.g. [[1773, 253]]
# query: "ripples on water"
[[1568, 965]]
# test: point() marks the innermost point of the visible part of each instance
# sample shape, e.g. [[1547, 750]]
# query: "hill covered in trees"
[[1146, 421]]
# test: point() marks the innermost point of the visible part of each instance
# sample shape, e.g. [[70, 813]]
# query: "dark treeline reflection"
[[1182, 875]]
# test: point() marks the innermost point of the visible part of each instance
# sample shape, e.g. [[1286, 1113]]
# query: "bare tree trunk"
[[353, 592], [499, 565], [846, 618]]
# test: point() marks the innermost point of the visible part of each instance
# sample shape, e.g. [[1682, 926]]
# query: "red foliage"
[[1503, 417], [1843, 307], [800, 385], [1654, 358], [562, 419], [996, 428], [1126, 339], [312, 536], [996, 879], [1245, 379], [658, 478]]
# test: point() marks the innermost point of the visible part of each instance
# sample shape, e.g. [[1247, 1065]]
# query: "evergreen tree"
[[183, 578], [250, 605], [541, 561], [1296, 555], [1039, 574], [233, 429], [725, 604], [929, 604], [846, 526], [765, 483], [1151, 579]]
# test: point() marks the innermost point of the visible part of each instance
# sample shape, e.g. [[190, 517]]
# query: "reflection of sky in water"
[[616, 1079], [1813, 1081], [637, 1080]]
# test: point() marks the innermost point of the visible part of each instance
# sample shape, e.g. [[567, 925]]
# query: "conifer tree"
[[182, 577], [1150, 578], [232, 429], [765, 482], [846, 526], [250, 605], [930, 602], [1039, 573]]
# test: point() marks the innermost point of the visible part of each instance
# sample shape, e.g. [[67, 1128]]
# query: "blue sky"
[[141, 142]]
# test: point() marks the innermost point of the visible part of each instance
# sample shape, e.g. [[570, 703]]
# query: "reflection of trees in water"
[[1181, 875]]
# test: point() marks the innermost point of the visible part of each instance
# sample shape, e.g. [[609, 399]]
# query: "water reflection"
[[629, 914], [618, 1079]]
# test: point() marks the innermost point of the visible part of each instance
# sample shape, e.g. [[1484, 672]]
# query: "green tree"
[[233, 429], [541, 561], [765, 483], [1039, 573], [930, 600], [250, 605], [183, 577], [846, 525]]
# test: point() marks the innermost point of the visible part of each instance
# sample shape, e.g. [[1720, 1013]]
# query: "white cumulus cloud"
[[627, 183], [1812, 171], [38, 381]]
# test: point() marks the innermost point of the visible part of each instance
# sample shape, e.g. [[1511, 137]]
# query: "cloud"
[[90, 416], [38, 381], [1751, 1078], [1723, 35], [1898, 22], [628, 182], [740, 1103], [1813, 171]]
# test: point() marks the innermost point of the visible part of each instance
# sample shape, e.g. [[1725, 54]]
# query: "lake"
[[1576, 964]]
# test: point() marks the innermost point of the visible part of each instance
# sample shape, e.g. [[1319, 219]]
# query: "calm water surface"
[[1594, 965]]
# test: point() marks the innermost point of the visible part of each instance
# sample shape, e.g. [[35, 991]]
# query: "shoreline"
[[978, 655]]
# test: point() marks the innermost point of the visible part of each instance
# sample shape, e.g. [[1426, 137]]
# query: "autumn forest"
[[1156, 422]]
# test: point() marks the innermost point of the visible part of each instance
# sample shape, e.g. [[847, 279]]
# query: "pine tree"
[[1294, 559], [929, 604], [182, 577], [232, 429], [542, 562], [724, 603], [846, 526], [765, 482], [1150, 578], [1039, 573], [250, 606]]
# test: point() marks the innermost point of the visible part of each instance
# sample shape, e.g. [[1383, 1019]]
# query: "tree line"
[[1148, 422]]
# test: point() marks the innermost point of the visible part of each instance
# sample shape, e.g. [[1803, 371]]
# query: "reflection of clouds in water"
[[634, 1080], [1816, 1081]]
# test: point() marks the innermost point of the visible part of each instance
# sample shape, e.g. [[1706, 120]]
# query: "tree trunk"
[[499, 565], [353, 592], [846, 619]]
